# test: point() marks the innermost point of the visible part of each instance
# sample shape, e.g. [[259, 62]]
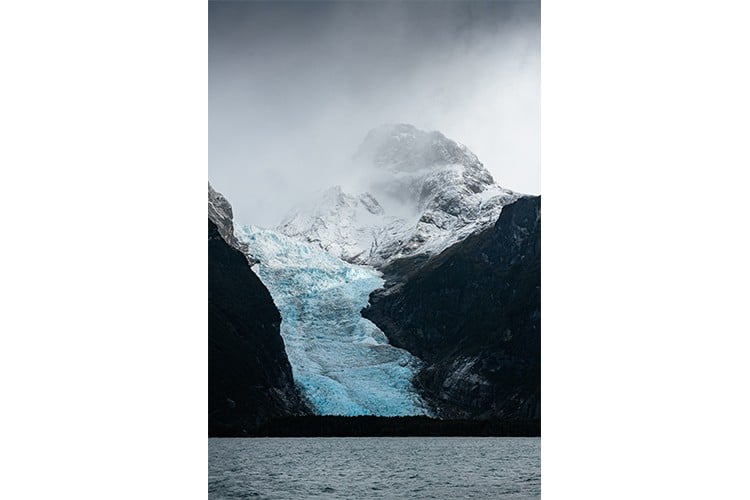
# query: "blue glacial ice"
[[342, 362]]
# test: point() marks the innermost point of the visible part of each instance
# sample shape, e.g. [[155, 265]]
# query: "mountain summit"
[[403, 146], [424, 192]]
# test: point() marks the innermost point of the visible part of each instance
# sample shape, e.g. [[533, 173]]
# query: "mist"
[[294, 87]]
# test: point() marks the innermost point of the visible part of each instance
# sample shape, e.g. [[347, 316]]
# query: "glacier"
[[341, 361]]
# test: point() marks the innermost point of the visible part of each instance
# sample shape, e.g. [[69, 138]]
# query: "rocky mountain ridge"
[[220, 213], [472, 314]]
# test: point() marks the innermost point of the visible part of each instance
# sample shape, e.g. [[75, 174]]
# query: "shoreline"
[[373, 426]]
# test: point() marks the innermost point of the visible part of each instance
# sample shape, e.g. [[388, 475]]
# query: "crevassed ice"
[[342, 362]]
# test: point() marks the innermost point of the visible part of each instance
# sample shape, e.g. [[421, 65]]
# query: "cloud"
[[295, 86]]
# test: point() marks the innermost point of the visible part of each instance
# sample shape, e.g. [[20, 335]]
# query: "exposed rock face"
[[220, 213], [425, 192], [249, 376], [472, 313]]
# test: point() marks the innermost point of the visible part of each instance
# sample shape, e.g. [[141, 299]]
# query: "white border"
[[103, 362]]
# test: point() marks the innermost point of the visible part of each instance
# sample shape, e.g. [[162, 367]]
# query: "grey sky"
[[295, 86]]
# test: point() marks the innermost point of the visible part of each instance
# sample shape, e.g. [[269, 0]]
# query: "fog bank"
[[295, 86]]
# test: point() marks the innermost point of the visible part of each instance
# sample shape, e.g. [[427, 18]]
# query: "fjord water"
[[378, 467]]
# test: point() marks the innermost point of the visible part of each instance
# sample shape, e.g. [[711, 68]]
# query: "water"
[[365, 468]]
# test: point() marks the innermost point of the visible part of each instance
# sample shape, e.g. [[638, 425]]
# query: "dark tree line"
[[334, 426]]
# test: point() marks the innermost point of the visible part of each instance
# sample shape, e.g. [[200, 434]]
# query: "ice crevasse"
[[341, 361]]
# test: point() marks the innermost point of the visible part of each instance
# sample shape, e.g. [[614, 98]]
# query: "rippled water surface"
[[410, 467]]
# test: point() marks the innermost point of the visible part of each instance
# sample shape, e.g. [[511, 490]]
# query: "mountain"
[[417, 295], [424, 192], [249, 375], [472, 314]]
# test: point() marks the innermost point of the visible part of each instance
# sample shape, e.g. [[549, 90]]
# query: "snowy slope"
[[342, 224], [424, 192], [342, 362]]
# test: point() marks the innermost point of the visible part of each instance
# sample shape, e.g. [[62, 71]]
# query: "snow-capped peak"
[[403, 147], [424, 192], [342, 224]]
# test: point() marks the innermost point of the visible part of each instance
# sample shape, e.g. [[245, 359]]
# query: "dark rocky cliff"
[[249, 376], [220, 213], [472, 313]]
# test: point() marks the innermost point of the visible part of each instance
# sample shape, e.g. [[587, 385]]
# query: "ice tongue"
[[342, 362]]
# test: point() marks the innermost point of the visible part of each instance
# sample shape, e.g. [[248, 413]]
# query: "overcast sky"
[[295, 86]]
